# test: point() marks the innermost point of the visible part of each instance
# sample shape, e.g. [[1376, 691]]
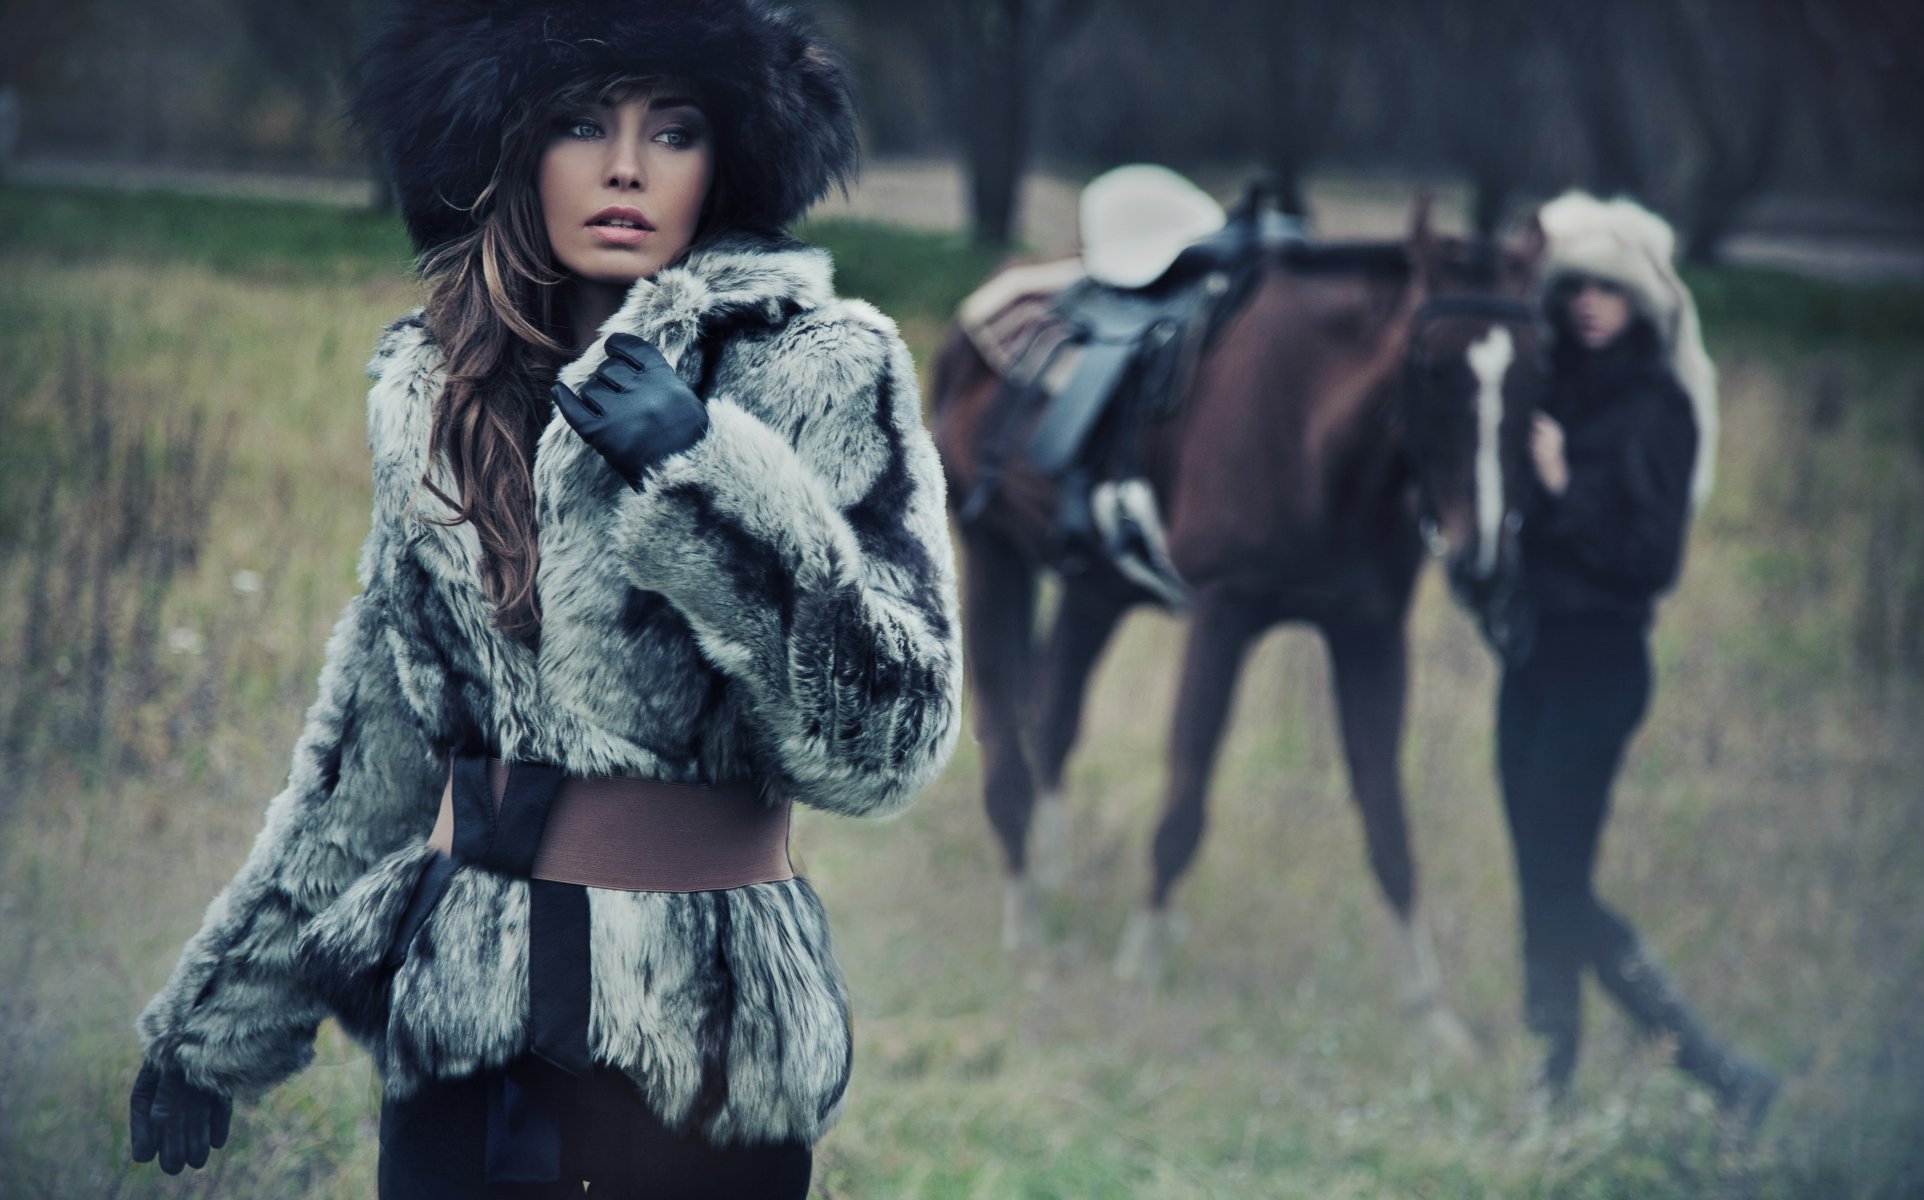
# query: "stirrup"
[[1125, 515]]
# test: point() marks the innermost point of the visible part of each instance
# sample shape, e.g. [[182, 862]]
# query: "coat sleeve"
[[1623, 517], [235, 1014], [810, 553]]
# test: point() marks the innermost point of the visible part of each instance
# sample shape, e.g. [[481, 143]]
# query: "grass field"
[[1768, 835]]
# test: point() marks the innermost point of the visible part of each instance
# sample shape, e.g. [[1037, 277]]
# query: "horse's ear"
[[1422, 238], [1530, 245], [1521, 257]]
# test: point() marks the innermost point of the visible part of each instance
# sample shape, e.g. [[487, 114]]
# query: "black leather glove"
[[176, 1120], [635, 411]]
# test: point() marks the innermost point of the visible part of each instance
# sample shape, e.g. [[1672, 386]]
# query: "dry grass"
[[1767, 839]]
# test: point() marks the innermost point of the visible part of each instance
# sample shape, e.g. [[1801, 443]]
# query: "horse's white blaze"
[[1490, 359]]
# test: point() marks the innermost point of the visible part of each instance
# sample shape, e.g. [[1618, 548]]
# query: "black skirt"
[[460, 1139]]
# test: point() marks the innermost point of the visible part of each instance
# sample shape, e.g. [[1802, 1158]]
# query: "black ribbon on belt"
[[524, 1130]]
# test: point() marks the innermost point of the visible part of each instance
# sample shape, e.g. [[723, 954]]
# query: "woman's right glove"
[[176, 1120], [634, 410]]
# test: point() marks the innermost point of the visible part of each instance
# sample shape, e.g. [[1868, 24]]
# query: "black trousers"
[[1564, 717], [434, 1147]]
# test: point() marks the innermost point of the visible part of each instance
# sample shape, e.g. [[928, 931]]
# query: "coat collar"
[[731, 277]]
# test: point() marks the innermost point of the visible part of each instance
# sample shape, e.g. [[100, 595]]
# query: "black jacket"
[[1614, 540]]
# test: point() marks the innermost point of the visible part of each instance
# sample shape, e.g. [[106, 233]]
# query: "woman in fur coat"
[[658, 547], [1622, 452]]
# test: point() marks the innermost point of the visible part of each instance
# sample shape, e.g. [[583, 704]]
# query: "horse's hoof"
[[1021, 917], [1049, 842], [1145, 946], [1447, 1031]]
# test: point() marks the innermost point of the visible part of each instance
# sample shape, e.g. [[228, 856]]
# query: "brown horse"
[[1290, 494]]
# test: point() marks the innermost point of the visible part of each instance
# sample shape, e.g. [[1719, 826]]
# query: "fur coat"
[[778, 604]]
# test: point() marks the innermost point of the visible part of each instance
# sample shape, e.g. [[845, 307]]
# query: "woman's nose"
[[625, 169]]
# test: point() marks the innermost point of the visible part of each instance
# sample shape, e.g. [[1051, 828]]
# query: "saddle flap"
[[1067, 421]]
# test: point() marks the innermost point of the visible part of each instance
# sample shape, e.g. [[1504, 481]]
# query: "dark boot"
[[1553, 1010], [1744, 1087]]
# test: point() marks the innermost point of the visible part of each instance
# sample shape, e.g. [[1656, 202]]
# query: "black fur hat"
[[442, 79]]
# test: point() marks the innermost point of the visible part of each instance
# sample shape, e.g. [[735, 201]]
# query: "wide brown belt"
[[564, 834], [643, 835]]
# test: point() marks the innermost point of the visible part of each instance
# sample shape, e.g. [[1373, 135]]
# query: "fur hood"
[[1625, 243], [777, 605], [443, 79]]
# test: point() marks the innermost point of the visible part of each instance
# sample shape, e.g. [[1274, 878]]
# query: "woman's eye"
[[580, 127], [676, 137]]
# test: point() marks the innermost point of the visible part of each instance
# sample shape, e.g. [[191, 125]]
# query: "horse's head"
[[1473, 377]]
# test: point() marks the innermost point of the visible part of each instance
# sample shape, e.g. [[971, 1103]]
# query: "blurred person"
[[658, 546], [1622, 454]]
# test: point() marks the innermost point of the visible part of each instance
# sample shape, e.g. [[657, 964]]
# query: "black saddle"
[[1129, 355]]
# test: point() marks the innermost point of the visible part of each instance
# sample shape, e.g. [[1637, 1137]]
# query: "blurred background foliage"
[[1697, 106]]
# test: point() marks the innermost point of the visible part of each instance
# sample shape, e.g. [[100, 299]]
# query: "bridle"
[[1471, 305], [1503, 612]]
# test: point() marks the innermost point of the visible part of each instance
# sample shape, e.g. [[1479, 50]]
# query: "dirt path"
[[929, 194]]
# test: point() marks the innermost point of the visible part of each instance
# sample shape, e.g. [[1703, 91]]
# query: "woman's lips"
[[619, 235], [620, 226]]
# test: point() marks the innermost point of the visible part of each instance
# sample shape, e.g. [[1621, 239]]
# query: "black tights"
[[1563, 719], [434, 1145]]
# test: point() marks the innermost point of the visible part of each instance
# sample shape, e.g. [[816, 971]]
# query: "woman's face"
[[622, 185], [1599, 312]]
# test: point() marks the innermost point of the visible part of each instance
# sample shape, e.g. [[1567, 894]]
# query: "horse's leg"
[[1371, 669], [1221, 627], [999, 588], [1084, 621]]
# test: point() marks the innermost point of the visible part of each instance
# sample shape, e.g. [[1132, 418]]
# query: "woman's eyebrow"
[[661, 102]]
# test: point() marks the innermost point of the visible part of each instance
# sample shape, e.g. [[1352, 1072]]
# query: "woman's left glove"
[[634, 410], [176, 1120]]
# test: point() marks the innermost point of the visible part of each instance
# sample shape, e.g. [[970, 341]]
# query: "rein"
[[1495, 308]]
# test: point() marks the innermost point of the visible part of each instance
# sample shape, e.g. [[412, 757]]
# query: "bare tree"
[[1476, 55], [1006, 46], [998, 53], [37, 40], [1735, 72], [37, 36], [1865, 58], [1594, 43], [313, 47], [1302, 49]]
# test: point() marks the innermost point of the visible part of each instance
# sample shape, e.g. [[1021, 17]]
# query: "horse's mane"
[[1461, 263], [1345, 258]]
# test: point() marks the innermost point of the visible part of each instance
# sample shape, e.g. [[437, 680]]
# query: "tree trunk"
[[1742, 140], [1486, 138], [1735, 176], [1289, 189], [1288, 97], [1591, 46], [1491, 201], [998, 84]]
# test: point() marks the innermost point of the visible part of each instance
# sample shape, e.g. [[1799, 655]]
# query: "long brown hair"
[[495, 310]]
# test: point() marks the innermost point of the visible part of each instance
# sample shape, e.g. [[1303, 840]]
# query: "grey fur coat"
[[777, 604]]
